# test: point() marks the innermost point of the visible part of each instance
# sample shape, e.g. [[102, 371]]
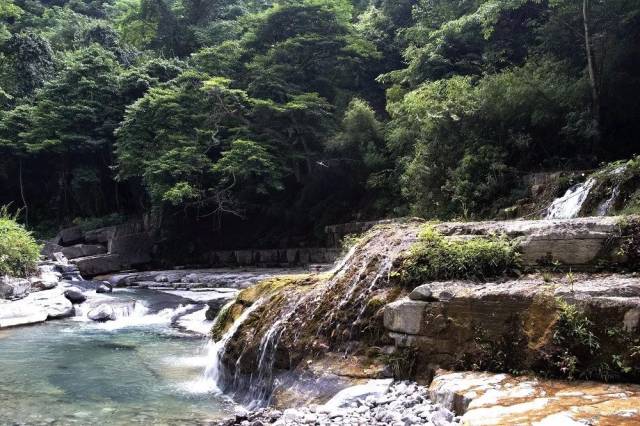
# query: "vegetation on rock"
[[435, 257]]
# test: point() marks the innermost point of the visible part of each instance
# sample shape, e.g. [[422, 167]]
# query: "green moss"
[[435, 257], [19, 252], [221, 322], [249, 295]]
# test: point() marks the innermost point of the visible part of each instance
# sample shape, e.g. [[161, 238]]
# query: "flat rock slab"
[[501, 399], [35, 308]]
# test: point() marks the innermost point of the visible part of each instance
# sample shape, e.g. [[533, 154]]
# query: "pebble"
[[404, 404]]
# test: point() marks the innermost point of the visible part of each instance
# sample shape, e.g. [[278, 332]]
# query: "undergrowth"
[[435, 257], [19, 252]]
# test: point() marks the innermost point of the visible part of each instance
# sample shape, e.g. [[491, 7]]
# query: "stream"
[[143, 368]]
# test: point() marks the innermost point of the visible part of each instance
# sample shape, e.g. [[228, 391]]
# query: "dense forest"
[[263, 121]]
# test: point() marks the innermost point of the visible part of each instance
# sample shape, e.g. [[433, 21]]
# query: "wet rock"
[[58, 307], [104, 288], [102, 313], [75, 295]]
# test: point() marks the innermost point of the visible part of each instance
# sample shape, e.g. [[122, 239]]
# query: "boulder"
[[422, 293], [83, 250], [104, 287], [131, 244], [75, 295], [102, 313], [100, 264], [69, 236], [58, 307], [99, 236], [49, 248], [14, 288]]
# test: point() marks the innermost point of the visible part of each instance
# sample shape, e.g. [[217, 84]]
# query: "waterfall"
[[212, 379], [606, 205], [569, 205]]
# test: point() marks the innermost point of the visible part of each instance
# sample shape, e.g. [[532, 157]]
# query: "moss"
[[249, 295], [221, 322], [19, 252], [435, 257]]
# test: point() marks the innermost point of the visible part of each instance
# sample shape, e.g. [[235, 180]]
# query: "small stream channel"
[[142, 368]]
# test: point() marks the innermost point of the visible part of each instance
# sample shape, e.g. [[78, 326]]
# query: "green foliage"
[[435, 257], [582, 350], [19, 252], [402, 363]]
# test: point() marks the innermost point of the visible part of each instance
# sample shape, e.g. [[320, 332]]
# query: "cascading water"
[[323, 317], [214, 373], [569, 205]]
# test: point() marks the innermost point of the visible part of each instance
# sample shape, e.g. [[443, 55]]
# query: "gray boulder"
[[75, 295], [14, 288], [83, 250], [102, 313], [104, 288], [422, 293]]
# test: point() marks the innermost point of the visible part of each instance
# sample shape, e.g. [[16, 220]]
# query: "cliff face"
[[569, 307]]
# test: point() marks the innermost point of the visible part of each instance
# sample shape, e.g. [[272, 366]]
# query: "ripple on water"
[[137, 372]]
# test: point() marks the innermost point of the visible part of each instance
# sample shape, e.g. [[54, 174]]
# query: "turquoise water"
[[78, 372]]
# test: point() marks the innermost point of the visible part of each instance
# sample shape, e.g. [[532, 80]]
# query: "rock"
[[349, 395], [49, 248], [83, 250], [422, 293], [104, 287], [102, 313], [75, 295], [571, 242], [443, 330], [58, 307], [14, 288], [442, 417], [497, 399], [214, 307], [14, 314], [69, 236], [100, 264]]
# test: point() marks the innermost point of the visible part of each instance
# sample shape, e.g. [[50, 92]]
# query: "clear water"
[[78, 372]]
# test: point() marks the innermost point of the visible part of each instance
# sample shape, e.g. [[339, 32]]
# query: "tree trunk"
[[24, 199], [595, 96]]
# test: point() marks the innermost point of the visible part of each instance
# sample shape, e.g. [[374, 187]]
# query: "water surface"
[[139, 370]]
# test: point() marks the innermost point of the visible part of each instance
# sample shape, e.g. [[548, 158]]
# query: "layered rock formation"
[[482, 399]]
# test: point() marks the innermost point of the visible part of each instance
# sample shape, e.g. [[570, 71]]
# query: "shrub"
[[19, 252], [435, 257]]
